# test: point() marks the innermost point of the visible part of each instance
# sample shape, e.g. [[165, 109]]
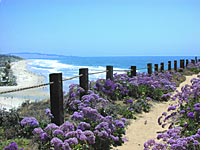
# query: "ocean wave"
[[53, 66], [46, 67]]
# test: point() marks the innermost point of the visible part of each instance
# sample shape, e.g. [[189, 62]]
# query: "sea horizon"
[[45, 64], [59, 55]]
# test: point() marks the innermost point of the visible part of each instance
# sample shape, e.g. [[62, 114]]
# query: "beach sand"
[[25, 78], [146, 126]]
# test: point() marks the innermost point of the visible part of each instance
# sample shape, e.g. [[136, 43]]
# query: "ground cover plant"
[[95, 121]]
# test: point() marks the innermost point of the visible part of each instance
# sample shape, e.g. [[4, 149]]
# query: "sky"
[[101, 27]]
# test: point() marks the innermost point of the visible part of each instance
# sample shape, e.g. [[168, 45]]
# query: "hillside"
[[8, 58]]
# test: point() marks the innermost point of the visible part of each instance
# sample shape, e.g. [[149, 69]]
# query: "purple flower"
[[71, 134], [124, 120], [124, 139], [119, 124], [164, 113], [195, 142], [77, 116], [58, 132], [51, 127], [197, 107], [80, 135], [73, 95], [182, 111], [190, 115], [149, 143], [129, 101], [67, 126], [114, 138], [90, 136], [48, 113], [159, 146], [44, 136], [101, 134], [171, 108], [171, 141], [83, 126], [72, 141], [56, 142], [66, 146], [29, 121], [162, 136], [148, 98], [102, 125], [11, 146], [37, 131]]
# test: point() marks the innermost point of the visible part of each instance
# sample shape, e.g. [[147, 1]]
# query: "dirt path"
[[145, 127]]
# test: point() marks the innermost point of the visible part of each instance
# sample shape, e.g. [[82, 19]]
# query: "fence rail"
[[56, 83], [26, 88], [72, 77]]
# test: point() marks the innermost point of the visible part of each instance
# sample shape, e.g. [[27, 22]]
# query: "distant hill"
[[27, 55], [8, 58]]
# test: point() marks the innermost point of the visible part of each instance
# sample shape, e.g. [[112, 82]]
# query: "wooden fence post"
[[133, 71], [193, 61], [156, 68], [109, 73], [149, 68], [175, 65], [182, 63], [187, 62], [162, 67], [83, 80], [169, 65], [56, 98]]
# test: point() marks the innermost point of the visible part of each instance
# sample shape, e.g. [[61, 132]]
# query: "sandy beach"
[[25, 78], [145, 127]]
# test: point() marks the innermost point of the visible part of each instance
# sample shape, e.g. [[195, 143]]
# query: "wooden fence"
[[56, 83], [56, 89]]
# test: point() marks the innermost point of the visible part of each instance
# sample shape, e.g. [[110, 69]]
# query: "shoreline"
[[24, 78]]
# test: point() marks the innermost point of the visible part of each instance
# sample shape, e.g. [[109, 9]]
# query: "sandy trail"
[[145, 127]]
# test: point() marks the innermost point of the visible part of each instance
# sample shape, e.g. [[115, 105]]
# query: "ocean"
[[69, 65]]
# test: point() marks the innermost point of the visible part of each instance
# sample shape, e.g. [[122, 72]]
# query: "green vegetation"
[[108, 106], [6, 75]]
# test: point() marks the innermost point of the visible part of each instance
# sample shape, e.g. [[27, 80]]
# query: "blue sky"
[[100, 27]]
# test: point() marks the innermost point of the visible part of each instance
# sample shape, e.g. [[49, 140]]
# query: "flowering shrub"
[[54, 136], [99, 135], [106, 129], [88, 128], [90, 100], [29, 121], [110, 89], [9, 123], [173, 139], [195, 68], [140, 86], [97, 121], [28, 124], [184, 120], [12, 146]]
